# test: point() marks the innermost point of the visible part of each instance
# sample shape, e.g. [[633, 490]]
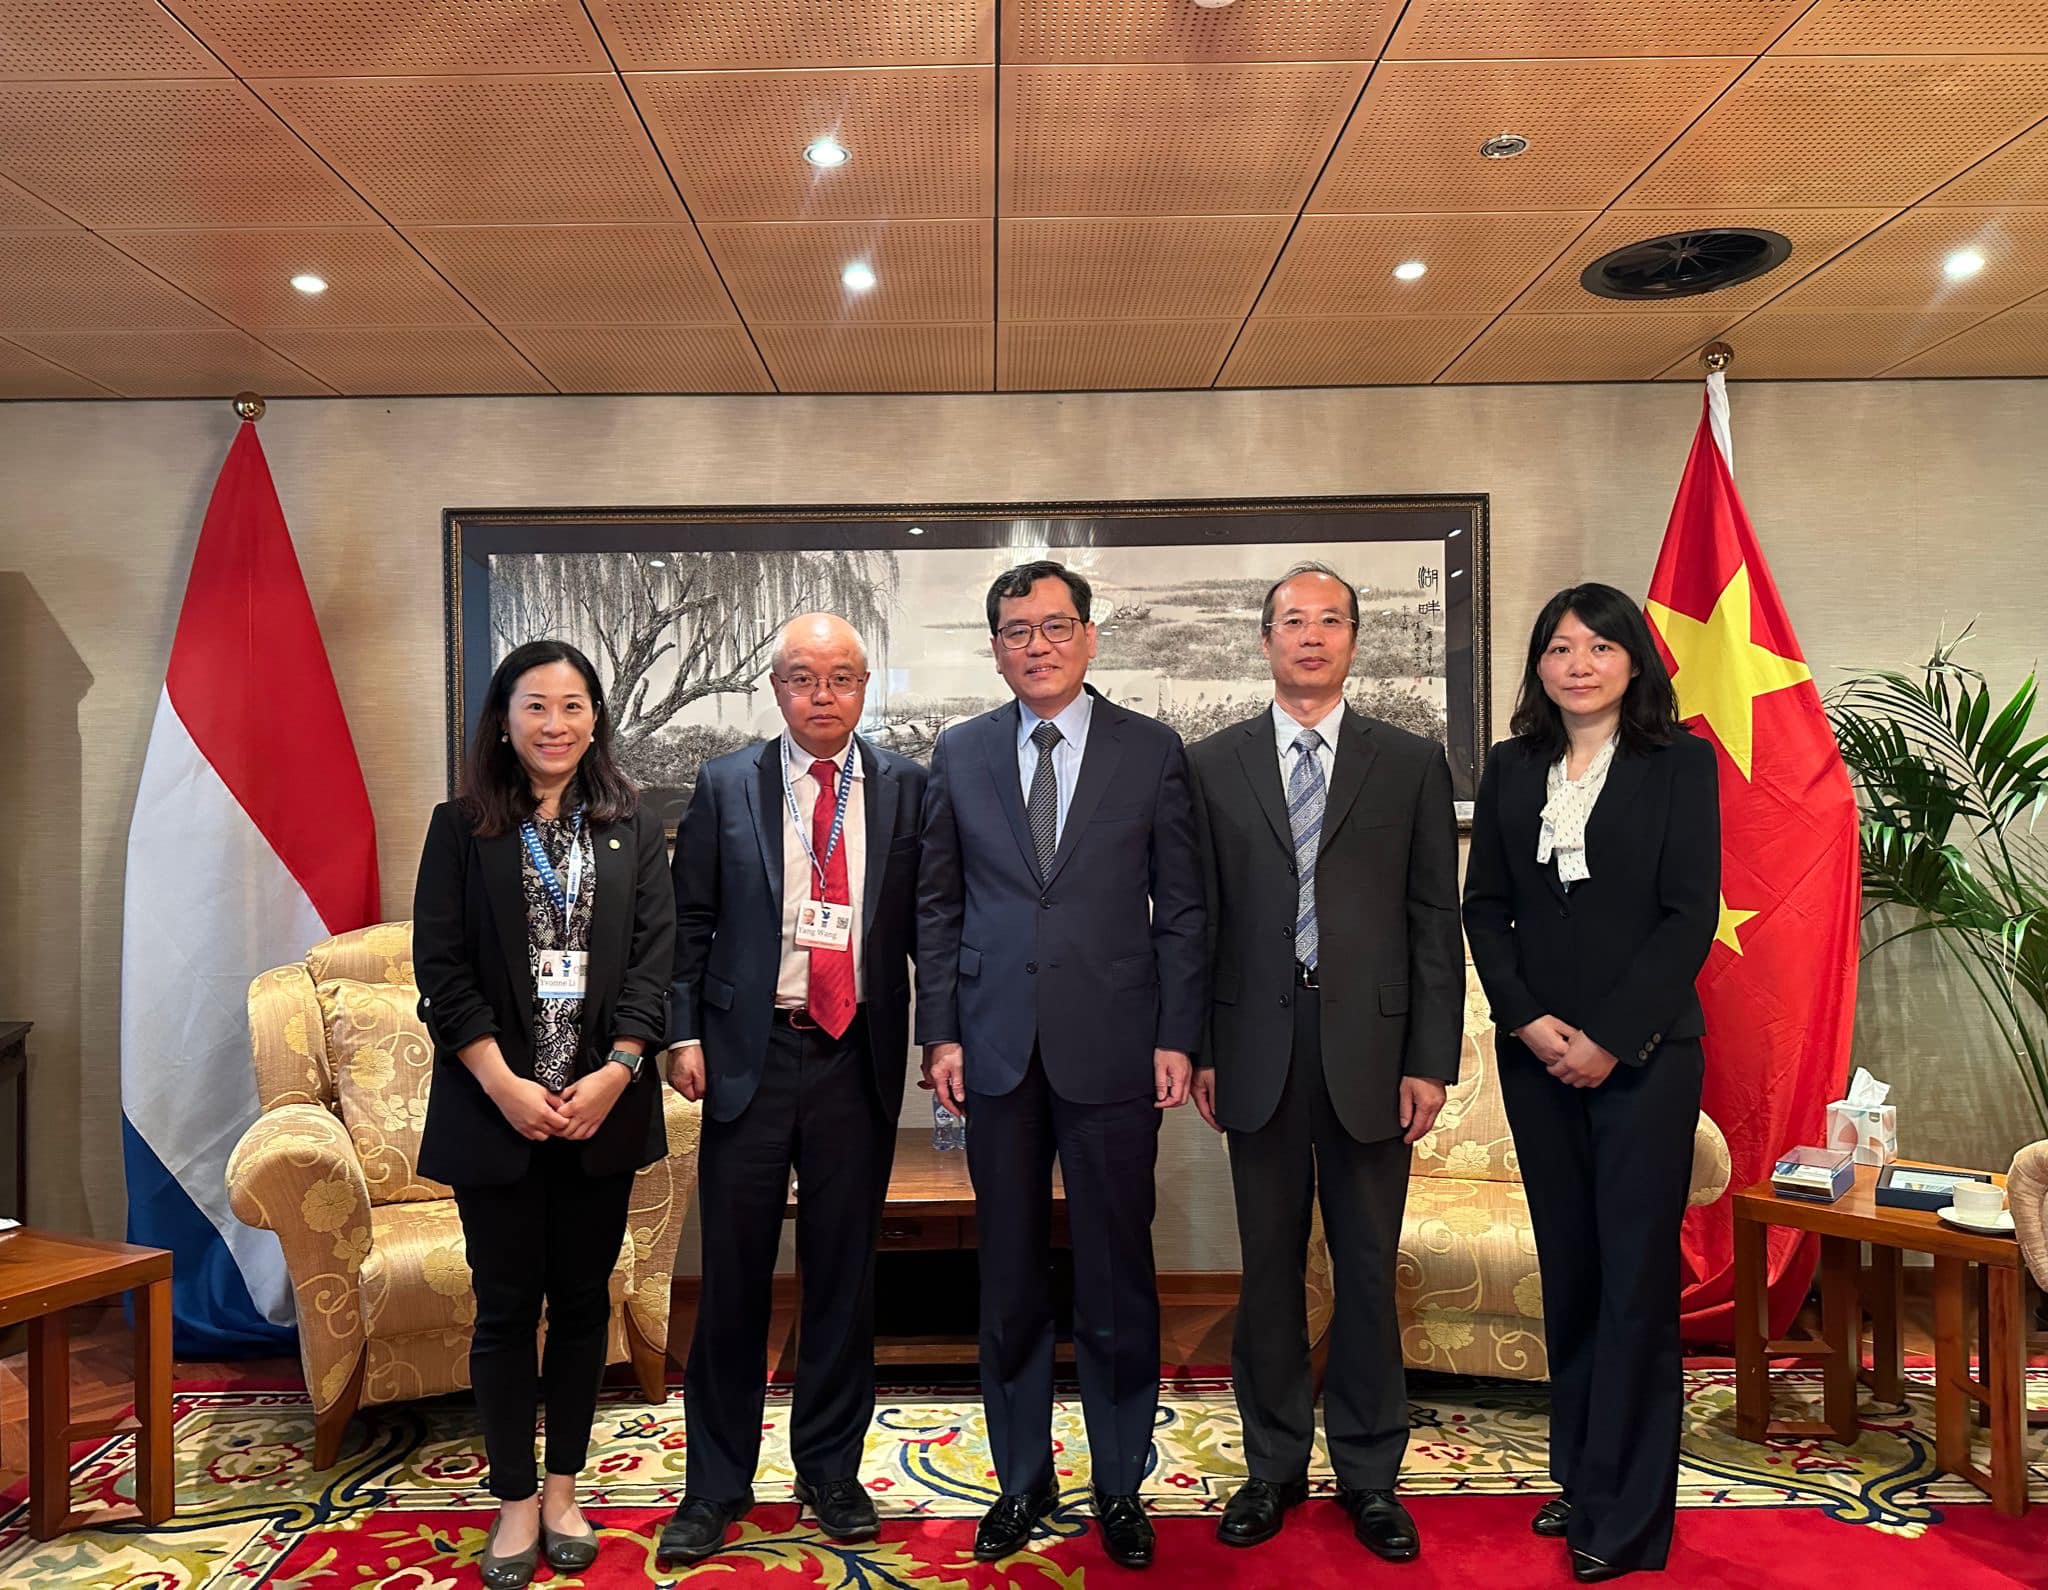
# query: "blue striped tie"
[[1305, 796]]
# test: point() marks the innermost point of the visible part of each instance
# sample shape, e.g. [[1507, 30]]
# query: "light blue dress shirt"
[[1072, 723]]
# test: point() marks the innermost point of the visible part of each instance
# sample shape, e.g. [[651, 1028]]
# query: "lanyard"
[[564, 896], [838, 812]]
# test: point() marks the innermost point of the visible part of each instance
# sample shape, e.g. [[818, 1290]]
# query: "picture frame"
[[1922, 1186]]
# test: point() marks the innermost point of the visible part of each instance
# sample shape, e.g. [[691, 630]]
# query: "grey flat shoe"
[[570, 1553], [513, 1572]]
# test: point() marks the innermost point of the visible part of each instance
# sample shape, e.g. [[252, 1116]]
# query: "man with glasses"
[[1059, 997], [1338, 990], [795, 876]]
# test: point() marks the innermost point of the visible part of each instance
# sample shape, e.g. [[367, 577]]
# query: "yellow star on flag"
[[1731, 919], [1721, 671]]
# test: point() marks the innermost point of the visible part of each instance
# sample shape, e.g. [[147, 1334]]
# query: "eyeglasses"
[[1058, 629], [805, 683], [1329, 626]]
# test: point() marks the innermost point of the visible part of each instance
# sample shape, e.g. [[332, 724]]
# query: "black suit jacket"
[[1617, 956], [728, 892], [1390, 963], [469, 954], [1096, 962]]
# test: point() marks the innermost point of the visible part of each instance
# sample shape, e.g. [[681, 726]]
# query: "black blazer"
[[728, 892], [1615, 957], [1096, 962], [1389, 961], [469, 955]]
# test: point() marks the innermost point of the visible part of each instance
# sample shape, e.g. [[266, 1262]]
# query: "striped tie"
[[1043, 808], [1305, 816]]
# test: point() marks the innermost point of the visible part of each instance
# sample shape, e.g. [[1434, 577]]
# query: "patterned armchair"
[[374, 1250], [2026, 1194], [1467, 1290]]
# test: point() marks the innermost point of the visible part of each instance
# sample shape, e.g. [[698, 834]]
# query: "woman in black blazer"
[[1591, 899], [543, 942]]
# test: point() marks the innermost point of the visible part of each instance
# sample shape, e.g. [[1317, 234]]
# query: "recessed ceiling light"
[[917, 529], [827, 152], [309, 284], [858, 277], [1213, 5], [1962, 264], [1410, 271], [657, 563], [1505, 147]]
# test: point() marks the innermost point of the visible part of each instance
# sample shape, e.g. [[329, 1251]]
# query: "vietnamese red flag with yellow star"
[[1779, 984]]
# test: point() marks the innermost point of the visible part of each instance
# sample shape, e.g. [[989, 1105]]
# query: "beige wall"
[[1887, 509]]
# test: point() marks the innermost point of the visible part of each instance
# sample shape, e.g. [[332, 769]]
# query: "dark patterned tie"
[[1305, 799], [1044, 805]]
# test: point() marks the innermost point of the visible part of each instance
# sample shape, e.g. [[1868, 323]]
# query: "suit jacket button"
[[1287, 933], [1656, 1037], [1031, 966], [424, 1001], [1283, 1000], [1045, 902]]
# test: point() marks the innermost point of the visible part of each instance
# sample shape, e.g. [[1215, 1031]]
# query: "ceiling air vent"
[[1685, 264]]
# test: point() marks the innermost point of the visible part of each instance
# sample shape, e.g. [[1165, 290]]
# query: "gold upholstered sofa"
[[373, 1249], [1467, 1290]]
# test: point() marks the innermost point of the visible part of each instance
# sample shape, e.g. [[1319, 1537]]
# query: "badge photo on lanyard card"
[[823, 924], [561, 973]]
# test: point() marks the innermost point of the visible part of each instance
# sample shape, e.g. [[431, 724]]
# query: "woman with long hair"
[[543, 942], [1591, 899]]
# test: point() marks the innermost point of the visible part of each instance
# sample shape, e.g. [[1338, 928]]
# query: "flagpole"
[[250, 406]]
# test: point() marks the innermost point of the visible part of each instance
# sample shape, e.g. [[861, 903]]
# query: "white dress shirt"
[[1072, 722], [793, 984], [1286, 727]]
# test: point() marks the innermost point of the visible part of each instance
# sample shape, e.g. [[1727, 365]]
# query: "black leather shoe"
[[698, 1528], [1552, 1519], [1126, 1531], [843, 1509], [1382, 1524], [1006, 1526], [1255, 1513], [1589, 1569]]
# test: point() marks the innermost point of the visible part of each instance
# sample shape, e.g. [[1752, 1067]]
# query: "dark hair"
[[1649, 708], [497, 795], [1299, 569], [1013, 583]]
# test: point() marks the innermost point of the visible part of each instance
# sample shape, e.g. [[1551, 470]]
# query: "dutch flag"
[[252, 840]]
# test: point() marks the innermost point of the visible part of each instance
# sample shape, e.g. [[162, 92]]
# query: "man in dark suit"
[[1336, 1021], [791, 1022], [1060, 995]]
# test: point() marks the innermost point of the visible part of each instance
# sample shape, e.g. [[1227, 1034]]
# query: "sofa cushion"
[[1470, 1140], [382, 1064]]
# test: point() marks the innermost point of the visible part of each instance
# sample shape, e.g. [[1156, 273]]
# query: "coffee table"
[[43, 1274]]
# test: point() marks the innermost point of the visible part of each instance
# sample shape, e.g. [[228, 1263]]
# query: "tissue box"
[[1870, 1132]]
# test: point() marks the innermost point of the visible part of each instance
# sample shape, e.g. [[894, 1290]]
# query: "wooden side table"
[[1999, 1385], [42, 1275]]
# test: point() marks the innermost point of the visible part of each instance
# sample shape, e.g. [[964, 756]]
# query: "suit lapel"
[[999, 751], [1534, 773], [1098, 769], [611, 915], [1258, 754], [1355, 755], [765, 805], [1626, 776], [880, 816], [499, 857]]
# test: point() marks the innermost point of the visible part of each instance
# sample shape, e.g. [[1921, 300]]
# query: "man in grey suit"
[[1337, 1000]]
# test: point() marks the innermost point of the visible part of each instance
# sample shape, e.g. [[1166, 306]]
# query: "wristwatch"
[[631, 1061]]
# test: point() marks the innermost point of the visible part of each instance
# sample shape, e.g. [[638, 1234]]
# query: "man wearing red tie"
[[795, 875]]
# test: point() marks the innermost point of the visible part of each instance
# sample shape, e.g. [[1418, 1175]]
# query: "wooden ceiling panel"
[[1586, 347], [880, 358], [1062, 32], [1344, 264], [1816, 237], [564, 275], [1914, 27], [74, 281], [1144, 268], [1438, 30], [1592, 127], [713, 35], [21, 210], [1900, 267], [925, 271], [1845, 132], [166, 154], [922, 141], [1369, 350], [643, 358], [1110, 355], [395, 38], [98, 38], [484, 150], [174, 364], [373, 278], [2012, 344], [2016, 174], [1836, 345], [24, 375], [1169, 140], [421, 360]]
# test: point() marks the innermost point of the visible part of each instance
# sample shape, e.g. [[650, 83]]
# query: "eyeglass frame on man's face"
[[1016, 634], [1295, 625], [795, 683]]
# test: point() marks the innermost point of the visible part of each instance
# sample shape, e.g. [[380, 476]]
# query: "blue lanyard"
[[838, 812], [564, 897]]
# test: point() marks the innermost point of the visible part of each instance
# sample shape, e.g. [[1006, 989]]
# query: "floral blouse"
[[557, 1023]]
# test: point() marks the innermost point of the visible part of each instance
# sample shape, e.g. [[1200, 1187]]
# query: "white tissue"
[[1866, 1092]]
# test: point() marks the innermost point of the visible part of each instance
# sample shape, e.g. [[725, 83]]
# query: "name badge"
[[561, 974], [823, 925]]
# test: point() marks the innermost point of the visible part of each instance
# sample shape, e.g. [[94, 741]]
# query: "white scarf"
[[1570, 803]]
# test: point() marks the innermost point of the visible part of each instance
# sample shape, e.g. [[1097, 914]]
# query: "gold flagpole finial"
[[250, 405], [1715, 357]]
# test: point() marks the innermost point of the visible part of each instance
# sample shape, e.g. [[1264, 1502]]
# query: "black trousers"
[[1107, 1153], [1607, 1171], [552, 1236], [1304, 1153], [815, 1111]]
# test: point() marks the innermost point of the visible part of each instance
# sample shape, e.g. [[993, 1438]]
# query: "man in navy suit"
[[795, 875], [1060, 991]]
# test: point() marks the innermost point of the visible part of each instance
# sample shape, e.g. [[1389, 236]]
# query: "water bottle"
[[948, 1130]]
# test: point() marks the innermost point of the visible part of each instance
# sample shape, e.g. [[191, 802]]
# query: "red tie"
[[831, 997]]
